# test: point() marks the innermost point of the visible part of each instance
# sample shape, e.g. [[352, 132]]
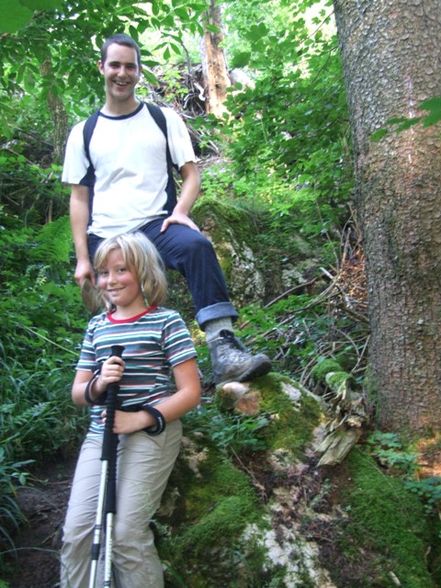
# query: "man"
[[131, 191]]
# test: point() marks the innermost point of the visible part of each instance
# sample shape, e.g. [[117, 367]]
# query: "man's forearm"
[[190, 189], [79, 217], [80, 242]]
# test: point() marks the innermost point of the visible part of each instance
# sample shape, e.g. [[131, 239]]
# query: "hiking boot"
[[232, 362]]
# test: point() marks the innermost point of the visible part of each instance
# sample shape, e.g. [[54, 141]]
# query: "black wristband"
[[88, 398], [159, 425]]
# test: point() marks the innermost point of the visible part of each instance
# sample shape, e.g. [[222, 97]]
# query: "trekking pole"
[[107, 490]]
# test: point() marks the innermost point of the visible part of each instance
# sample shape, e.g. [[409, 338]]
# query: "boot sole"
[[259, 370]]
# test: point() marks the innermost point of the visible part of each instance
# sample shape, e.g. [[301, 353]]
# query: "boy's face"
[[120, 285], [121, 72]]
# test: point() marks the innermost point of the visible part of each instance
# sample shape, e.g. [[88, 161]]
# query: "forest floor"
[[43, 501], [35, 561]]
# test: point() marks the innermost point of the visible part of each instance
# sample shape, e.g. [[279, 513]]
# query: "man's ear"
[[99, 64]]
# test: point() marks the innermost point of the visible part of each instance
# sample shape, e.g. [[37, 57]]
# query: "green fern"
[[53, 242]]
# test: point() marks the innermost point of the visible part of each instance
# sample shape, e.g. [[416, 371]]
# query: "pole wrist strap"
[[159, 425], [101, 399]]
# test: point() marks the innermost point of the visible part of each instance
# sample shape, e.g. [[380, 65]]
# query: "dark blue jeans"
[[191, 254]]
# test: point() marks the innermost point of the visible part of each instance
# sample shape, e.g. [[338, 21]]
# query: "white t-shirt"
[[129, 156]]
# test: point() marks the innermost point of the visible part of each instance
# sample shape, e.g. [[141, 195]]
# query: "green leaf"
[[14, 16], [395, 120], [155, 8], [42, 4], [150, 62], [431, 119], [28, 82], [133, 32], [433, 105], [378, 135], [257, 32], [150, 77], [175, 48], [241, 59], [182, 13], [168, 21], [212, 28], [407, 123]]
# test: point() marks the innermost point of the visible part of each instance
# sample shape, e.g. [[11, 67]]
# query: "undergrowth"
[[386, 526], [42, 324], [229, 433], [402, 461]]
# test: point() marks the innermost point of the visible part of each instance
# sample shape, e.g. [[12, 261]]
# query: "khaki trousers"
[[143, 468]]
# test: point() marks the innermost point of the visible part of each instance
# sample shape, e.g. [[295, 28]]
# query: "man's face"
[[121, 72]]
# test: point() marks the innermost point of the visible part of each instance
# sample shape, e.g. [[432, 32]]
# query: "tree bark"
[[214, 65], [57, 112], [392, 61]]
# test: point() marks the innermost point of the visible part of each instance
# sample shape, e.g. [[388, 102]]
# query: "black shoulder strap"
[[89, 127], [159, 118]]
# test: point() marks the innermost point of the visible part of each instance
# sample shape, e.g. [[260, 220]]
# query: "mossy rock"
[[385, 537], [293, 413], [209, 542], [337, 380], [213, 509], [325, 366], [233, 227], [268, 517], [254, 269]]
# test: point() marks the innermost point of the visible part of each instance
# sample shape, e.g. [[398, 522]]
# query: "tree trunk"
[[57, 112], [392, 62], [216, 77]]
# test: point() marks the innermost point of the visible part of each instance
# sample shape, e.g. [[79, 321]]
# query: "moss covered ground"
[[385, 538]]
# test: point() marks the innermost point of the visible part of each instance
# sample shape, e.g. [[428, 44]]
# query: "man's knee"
[[198, 245]]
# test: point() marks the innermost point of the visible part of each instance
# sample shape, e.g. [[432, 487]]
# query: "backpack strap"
[[159, 118], [89, 178], [89, 127]]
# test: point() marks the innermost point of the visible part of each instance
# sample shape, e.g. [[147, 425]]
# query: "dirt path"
[[36, 561]]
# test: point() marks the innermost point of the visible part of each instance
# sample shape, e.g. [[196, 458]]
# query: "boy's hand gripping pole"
[[107, 490]]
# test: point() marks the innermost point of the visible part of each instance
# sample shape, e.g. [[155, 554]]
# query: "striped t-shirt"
[[154, 342]]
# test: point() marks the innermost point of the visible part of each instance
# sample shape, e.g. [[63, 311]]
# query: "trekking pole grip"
[[109, 441]]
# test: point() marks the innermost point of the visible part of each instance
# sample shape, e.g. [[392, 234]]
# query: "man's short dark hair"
[[120, 39]]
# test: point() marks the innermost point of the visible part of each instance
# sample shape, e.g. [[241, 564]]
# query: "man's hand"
[[179, 218], [189, 192], [83, 271]]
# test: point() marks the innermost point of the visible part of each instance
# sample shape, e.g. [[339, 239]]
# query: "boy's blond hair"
[[142, 258]]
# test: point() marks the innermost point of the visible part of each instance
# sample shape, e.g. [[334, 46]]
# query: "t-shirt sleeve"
[[87, 359], [181, 148], [176, 340], [75, 160]]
